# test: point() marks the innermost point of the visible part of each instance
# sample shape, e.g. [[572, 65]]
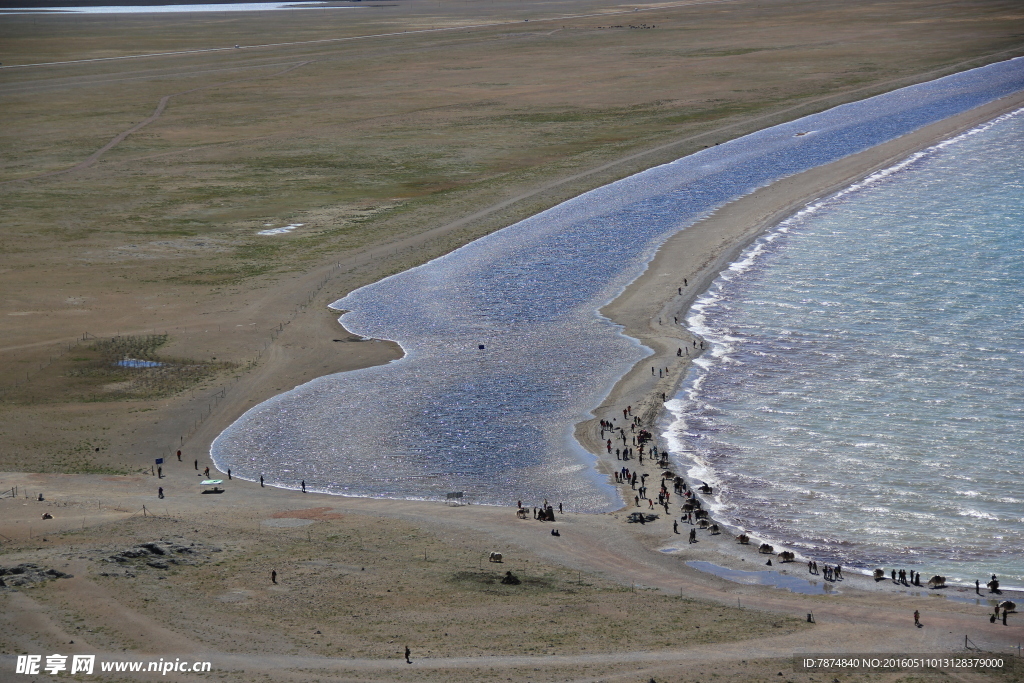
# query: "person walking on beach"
[[407, 653], [977, 587], [229, 474], [206, 473], [273, 576], [160, 492], [179, 456], [303, 485], [261, 481], [693, 535], [917, 619], [675, 527], [197, 465]]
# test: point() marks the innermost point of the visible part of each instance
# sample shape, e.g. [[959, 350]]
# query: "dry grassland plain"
[[393, 132]]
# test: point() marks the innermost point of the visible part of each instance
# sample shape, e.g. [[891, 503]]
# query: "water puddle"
[[136, 363], [281, 231], [149, 9], [766, 578], [976, 600]]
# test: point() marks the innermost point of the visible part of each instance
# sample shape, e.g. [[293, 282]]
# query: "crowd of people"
[[639, 441]]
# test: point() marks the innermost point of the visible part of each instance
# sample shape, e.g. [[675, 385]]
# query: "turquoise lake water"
[[863, 400]]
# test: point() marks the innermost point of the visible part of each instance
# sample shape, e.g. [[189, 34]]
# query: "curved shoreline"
[[685, 266]]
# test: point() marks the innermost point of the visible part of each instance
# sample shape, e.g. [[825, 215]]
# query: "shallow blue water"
[[150, 9], [794, 584], [497, 423], [864, 396]]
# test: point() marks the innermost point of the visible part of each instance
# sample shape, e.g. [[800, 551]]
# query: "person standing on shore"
[[303, 485], [917, 619], [261, 481]]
